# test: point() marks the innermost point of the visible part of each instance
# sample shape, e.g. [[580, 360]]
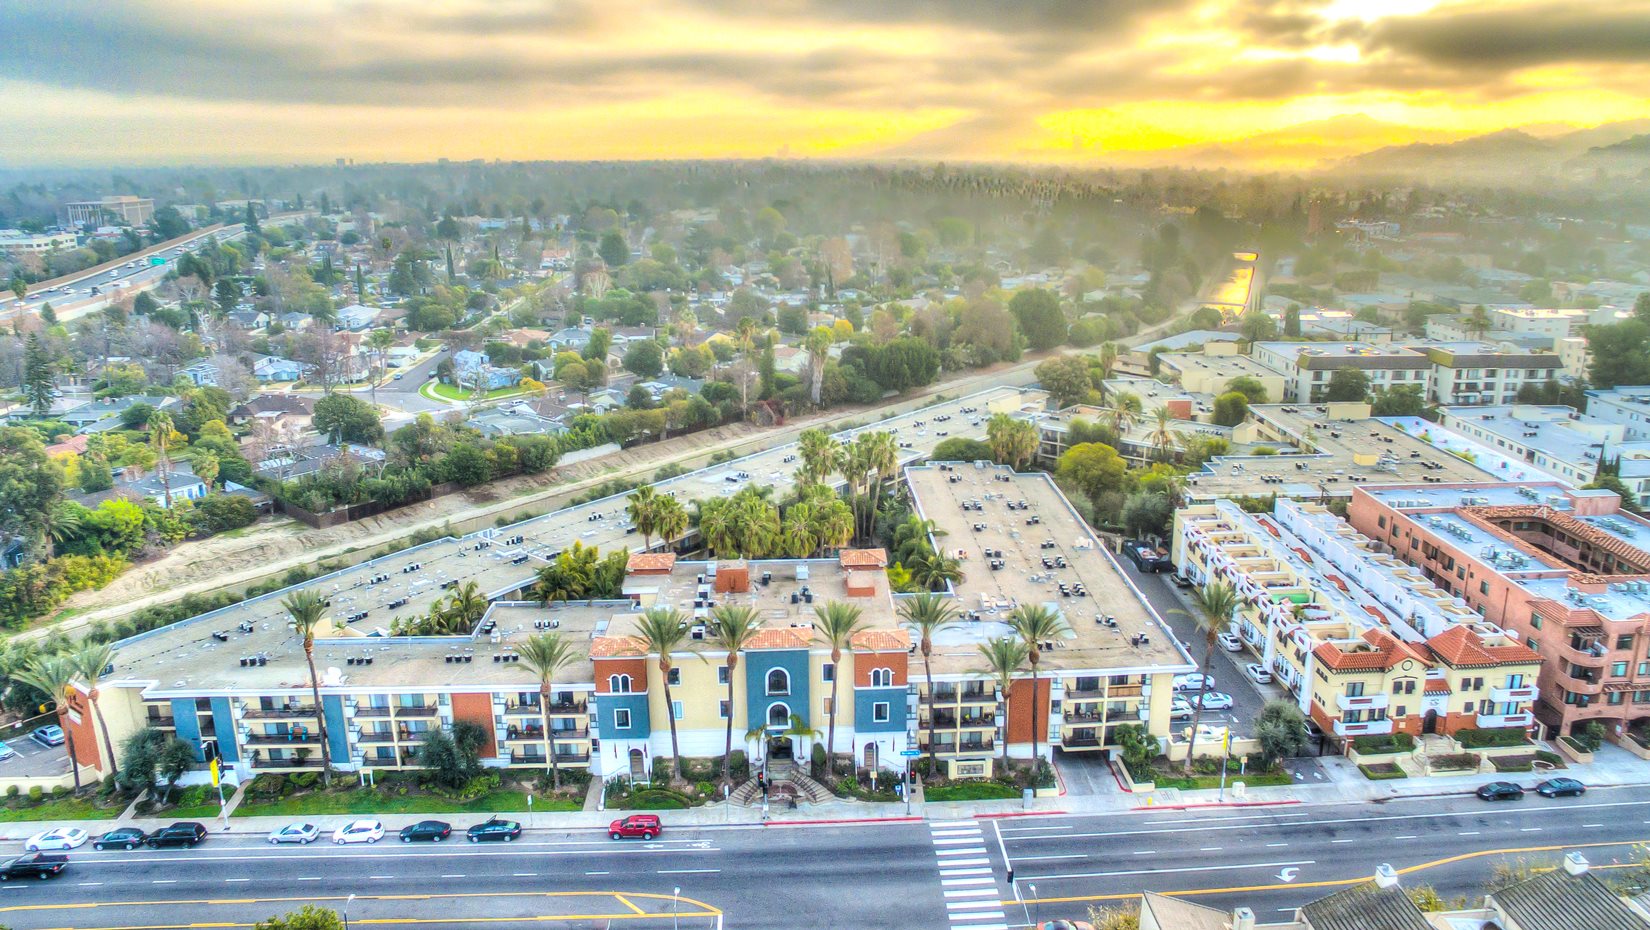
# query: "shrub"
[[704, 789], [36, 793], [661, 769], [739, 766], [1381, 771], [1473, 738], [13, 791], [1549, 757], [1384, 742], [1455, 761], [60, 791], [1590, 737], [1513, 763], [303, 781], [268, 786], [816, 762]]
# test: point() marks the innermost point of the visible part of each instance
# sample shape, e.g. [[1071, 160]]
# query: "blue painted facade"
[[865, 700], [641, 725], [223, 727], [332, 708], [188, 725], [757, 699]]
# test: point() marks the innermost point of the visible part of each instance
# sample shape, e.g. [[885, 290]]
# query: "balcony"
[[1362, 702], [426, 710], [940, 719], [1082, 716], [1591, 657], [978, 696], [1491, 721], [951, 749], [376, 737], [1586, 685], [1513, 695], [283, 739], [568, 708], [1090, 694], [1086, 739], [572, 758], [978, 721], [1366, 728], [1123, 691], [167, 723], [280, 713], [562, 758], [371, 711], [312, 762]]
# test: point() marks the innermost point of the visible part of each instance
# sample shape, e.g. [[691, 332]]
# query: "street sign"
[[911, 753]]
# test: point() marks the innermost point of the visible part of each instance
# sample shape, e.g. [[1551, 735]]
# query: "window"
[[1402, 711], [722, 675], [1535, 621], [1381, 522], [1483, 587], [1515, 681], [1615, 697], [1624, 641], [1354, 689], [825, 706], [879, 712], [882, 678], [676, 709], [722, 710], [779, 681], [827, 672], [618, 684], [675, 676], [779, 715], [1353, 716], [1618, 669], [621, 718]]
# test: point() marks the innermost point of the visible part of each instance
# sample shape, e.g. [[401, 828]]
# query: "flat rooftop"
[[499, 566], [1227, 366], [1008, 503], [1388, 455]]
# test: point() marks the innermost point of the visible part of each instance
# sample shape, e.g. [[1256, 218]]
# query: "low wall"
[[1375, 758], [1129, 784], [48, 783], [1211, 749]]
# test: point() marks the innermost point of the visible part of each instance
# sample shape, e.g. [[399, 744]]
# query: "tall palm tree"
[[89, 661], [799, 537], [306, 610], [643, 507], [818, 343], [1123, 413], [1162, 438], [379, 342], [1003, 658], [662, 630], [717, 526], [821, 456], [545, 654], [1108, 360], [932, 569], [833, 523], [746, 333], [160, 440], [55, 676], [465, 608], [1013, 442], [837, 624], [732, 628], [59, 523], [670, 520], [1215, 603], [1035, 626], [757, 523], [928, 614]]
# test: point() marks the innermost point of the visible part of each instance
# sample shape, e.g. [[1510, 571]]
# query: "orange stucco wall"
[[1020, 707], [77, 719], [477, 709], [897, 662], [635, 667]]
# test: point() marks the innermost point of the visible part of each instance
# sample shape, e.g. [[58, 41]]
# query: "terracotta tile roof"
[[607, 647], [651, 562], [74, 444], [1388, 652], [863, 558], [1579, 529], [1437, 686], [882, 641], [1460, 646], [782, 638]]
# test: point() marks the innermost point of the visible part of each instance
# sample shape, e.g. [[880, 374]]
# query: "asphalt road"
[[75, 298], [1275, 859], [843, 876]]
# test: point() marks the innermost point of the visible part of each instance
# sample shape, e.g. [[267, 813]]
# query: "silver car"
[[294, 833]]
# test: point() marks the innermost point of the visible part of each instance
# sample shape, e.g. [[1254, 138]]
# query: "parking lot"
[[33, 760]]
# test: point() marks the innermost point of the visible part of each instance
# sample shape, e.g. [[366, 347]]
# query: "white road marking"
[[91, 884], [1275, 845], [598, 873], [461, 875], [524, 874], [688, 871], [1469, 833], [1342, 841], [232, 880], [1210, 849], [983, 860], [1529, 829], [1065, 856], [950, 892], [948, 873], [969, 905], [1592, 824], [956, 841], [164, 881], [1411, 836], [959, 882], [959, 852], [1198, 868]]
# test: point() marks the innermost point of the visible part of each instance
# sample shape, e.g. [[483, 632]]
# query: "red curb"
[[816, 823], [1021, 814], [1188, 807]]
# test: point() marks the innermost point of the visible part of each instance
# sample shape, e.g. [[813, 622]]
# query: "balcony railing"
[[1489, 721], [426, 710], [1375, 727], [283, 739], [313, 761], [571, 733], [1362, 701], [169, 722], [1076, 741], [1513, 695], [373, 737], [367, 710], [563, 708], [279, 713], [1089, 694], [1082, 716]]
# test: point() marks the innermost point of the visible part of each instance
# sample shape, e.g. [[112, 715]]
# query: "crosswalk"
[[967, 879]]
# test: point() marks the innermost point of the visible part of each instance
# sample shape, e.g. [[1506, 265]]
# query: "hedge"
[[1383, 742], [1382, 771], [1473, 738]]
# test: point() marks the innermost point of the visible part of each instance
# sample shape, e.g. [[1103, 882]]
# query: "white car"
[[294, 833], [359, 831], [63, 838], [1193, 681], [1258, 673], [1214, 700], [1180, 709], [1230, 642]]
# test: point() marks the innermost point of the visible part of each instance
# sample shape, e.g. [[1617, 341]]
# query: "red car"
[[646, 826]]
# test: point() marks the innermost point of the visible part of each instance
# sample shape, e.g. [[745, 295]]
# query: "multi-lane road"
[[71, 295], [897, 874]]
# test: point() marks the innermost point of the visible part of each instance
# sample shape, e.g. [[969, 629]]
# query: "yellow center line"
[[1328, 883], [626, 902], [393, 921]]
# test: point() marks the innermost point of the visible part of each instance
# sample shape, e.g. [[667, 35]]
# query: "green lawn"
[[61, 809], [452, 392], [369, 801], [1252, 780], [971, 791]]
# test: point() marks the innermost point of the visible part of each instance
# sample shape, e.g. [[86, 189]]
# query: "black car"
[[121, 838], [1561, 787], [432, 830], [182, 833], [494, 830], [33, 865], [1500, 791]]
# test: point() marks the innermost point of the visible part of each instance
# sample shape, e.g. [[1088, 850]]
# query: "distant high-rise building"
[[118, 209], [1314, 217]]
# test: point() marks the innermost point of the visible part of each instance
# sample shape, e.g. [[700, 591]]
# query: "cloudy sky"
[[166, 81]]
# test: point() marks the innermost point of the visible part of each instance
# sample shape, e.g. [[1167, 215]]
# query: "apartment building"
[[1563, 571], [1485, 373], [16, 243], [1212, 370], [121, 210], [1364, 644], [1308, 366], [1625, 406], [1558, 440]]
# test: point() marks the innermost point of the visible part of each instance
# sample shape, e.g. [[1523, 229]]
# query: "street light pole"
[[675, 898], [347, 902]]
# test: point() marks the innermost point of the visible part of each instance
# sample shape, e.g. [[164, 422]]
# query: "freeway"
[[71, 295], [893, 874]]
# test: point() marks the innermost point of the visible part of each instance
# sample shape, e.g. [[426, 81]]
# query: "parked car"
[[6, 752], [359, 831], [33, 865], [1230, 642], [646, 826], [48, 736], [1214, 700], [494, 830], [1500, 791], [1258, 673], [1561, 787], [1193, 681], [121, 838], [432, 830], [1147, 557], [182, 833], [60, 838], [301, 833], [1180, 709], [1313, 731]]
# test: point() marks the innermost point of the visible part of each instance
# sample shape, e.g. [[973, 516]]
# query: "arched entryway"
[[1429, 723], [871, 756], [780, 748], [638, 770]]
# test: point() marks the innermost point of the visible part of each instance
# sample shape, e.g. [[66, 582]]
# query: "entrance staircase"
[[786, 782]]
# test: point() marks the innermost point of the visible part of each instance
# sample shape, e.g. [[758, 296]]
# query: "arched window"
[[779, 681], [882, 678], [779, 715], [618, 684]]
